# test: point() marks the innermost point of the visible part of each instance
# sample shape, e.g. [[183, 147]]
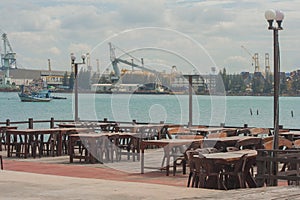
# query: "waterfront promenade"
[[53, 178]]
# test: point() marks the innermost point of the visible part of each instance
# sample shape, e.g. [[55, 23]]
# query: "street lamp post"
[[73, 58], [278, 16]]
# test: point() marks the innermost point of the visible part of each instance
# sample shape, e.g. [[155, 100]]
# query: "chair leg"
[[1, 160]]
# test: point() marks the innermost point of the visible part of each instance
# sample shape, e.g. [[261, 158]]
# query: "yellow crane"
[[254, 59]]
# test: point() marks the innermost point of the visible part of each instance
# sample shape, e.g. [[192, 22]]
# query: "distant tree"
[[257, 83], [283, 83], [268, 84]]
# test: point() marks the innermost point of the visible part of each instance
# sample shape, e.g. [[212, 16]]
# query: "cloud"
[[41, 29]]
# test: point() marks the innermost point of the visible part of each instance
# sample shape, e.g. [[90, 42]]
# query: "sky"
[[193, 35]]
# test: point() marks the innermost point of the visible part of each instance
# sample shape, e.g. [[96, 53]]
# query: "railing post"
[[260, 163], [7, 122], [52, 122], [30, 123]]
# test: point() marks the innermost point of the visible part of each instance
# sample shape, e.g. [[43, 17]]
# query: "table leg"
[[71, 148], [8, 144], [142, 158], [25, 145], [167, 160]]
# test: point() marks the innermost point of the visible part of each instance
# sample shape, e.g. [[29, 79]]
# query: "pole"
[[190, 101], [276, 101], [276, 88], [76, 92]]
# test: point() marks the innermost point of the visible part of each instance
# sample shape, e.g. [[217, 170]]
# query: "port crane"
[[254, 59], [115, 61], [8, 57]]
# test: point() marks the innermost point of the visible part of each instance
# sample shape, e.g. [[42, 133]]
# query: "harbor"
[[149, 100]]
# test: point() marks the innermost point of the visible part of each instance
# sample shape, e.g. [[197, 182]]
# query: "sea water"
[[207, 110]]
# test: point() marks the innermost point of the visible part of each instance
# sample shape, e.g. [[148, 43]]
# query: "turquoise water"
[[207, 110]]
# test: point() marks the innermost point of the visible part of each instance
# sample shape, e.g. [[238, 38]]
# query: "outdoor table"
[[99, 142], [223, 142], [208, 130], [58, 133], [228, 158], [167, 144], [291, 135]]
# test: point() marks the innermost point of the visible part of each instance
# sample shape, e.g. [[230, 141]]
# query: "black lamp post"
[[278, 16], [73, 58]]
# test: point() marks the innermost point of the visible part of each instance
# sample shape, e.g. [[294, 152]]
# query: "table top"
[[24, 131], [83, 124], [297, 133], [230, 156], [233, 138]]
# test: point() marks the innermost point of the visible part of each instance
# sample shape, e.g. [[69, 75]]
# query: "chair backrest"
[[250, 143], [178, 130], [190, 137], [259, 131], [282, 144], [240, 164], [217, 135], [296, 144]]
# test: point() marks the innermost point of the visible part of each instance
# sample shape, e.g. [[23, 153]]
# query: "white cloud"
[[41, 29]]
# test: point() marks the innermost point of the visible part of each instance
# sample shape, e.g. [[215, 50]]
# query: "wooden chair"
[[236, 173], [217, 135], [179, 131], [206, 173], [190, 137], [249, 143], [296, 144], [260, 132], [282, 144], [1, 162]]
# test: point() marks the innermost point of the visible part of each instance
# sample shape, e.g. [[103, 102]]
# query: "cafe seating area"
[[212, 157]]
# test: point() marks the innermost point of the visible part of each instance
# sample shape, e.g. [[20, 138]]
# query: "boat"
[[40, 96], [33, 93]]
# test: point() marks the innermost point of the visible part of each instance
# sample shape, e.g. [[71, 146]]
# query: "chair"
[[249, 143], [217, 135], [282, 144], [235, 173], [296, 144], [206, 173], [260, 132], [1, 161]]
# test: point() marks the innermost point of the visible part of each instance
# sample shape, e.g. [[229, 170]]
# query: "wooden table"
[[228, 158], [30, 133], [291, 135], [100, 141], [208, 130], [167, 144], [222, 143]]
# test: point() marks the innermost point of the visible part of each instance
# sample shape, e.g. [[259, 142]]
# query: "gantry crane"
[[8, 58], [254, 59]]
